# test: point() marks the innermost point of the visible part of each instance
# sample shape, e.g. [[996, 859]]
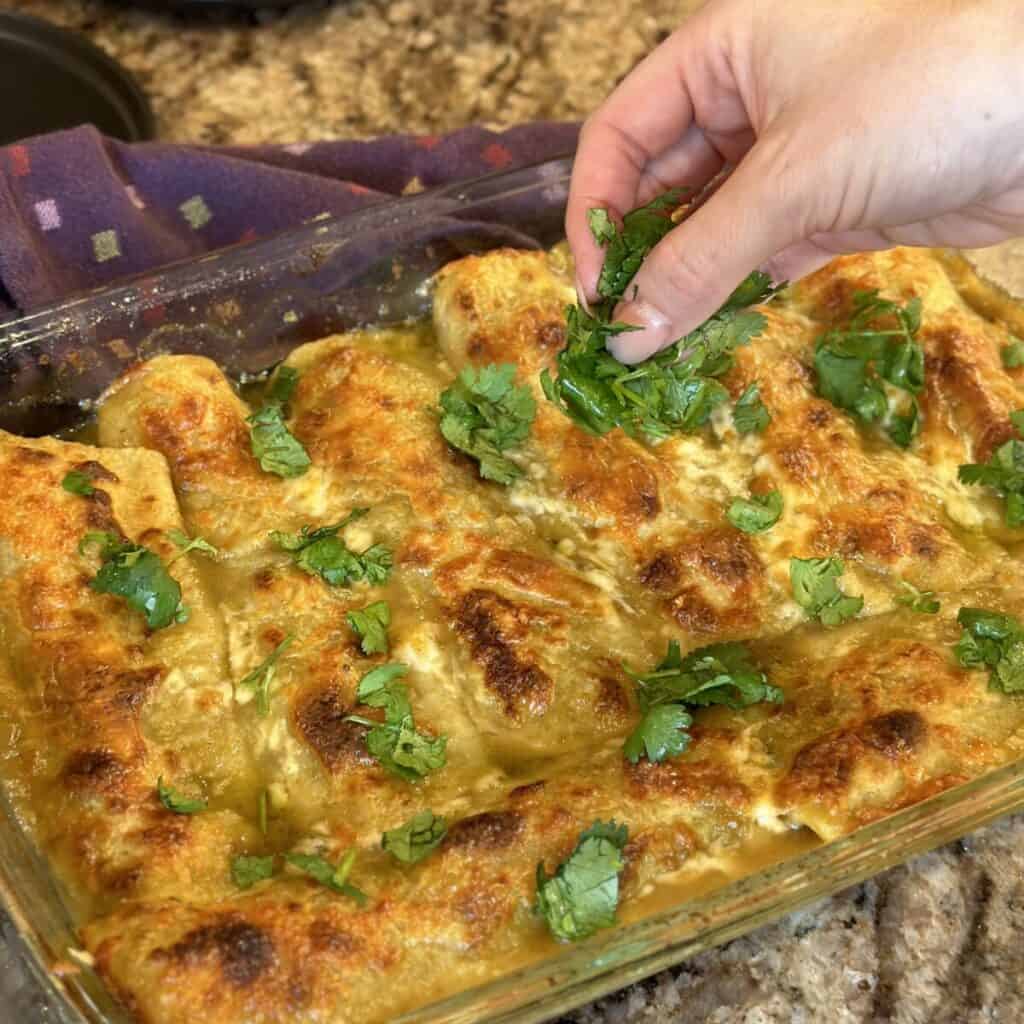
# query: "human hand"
[[852, 125]]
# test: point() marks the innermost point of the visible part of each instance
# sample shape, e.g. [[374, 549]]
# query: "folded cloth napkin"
[[79, 210]]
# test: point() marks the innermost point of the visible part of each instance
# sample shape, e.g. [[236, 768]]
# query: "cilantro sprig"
[[176, 801], [756, 514], [923, 602], [817, 591], [274, 446], [321, 552], [247, 869], [77, 482], [333, 876], [676, 389], [416, 839], [749, 415], [1004, 473], [484, 413], [138, 575], [875, 347], [395, 742], [261, 678], [182, 540], [994, 641], [716, 674], [582, 895], [370, 624]]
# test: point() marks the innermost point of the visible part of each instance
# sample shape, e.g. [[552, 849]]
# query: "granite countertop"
[[934, 941]]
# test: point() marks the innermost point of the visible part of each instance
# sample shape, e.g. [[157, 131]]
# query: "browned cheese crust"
[[514, 610]]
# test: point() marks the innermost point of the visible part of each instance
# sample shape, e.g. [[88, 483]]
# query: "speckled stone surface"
[[937, 941]]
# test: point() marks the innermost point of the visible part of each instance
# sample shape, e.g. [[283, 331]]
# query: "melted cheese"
[[515, 610]]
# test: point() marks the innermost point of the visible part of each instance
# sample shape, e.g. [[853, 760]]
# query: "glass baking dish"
[[247, 307]]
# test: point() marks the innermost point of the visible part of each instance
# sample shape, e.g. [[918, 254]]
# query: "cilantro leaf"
[[877, 346], [755, 514], [416, 839], [674, 390], [749, 416], [370, 624], [283, 385], [273, 444], [176, 802], [816, 591], [484, 413], [321, 552], [334, 877], [660, 734], [627, 248], [135, 573], [1012, 354], [247, 870], [182, 540], [260, 679], [76, 482], [1004, 473], [716, 674], [582, 895], [922, 601], [395, 742], [996, 641]]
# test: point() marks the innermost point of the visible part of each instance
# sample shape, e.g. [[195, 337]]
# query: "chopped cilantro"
[[176, 802], [261, 810], [1004, 473], [582, 895], [1013, 354], [135, 573], [321, 552], [76, 482], [395, 742], [334, 877], [246, 870], [370, 624], [816, 591], [995, 641], [922, 601], [755, 514], [673, 391], [749, 416], [283, 385], [877, 346], [182, 540], [660, 734], [416, 839], [625, 249], [484, 413], [716, 674], [259, 680], [273, 444]]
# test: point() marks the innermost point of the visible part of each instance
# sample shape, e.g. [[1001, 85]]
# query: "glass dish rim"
[[612, 959]]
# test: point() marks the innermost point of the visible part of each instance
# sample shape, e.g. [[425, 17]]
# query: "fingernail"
[[654, 334], [581, 294]]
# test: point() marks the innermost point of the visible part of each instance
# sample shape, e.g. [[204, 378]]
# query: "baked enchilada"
[[335, 699]]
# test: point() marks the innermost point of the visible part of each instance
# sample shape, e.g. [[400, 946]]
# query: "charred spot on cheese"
[[96, 471], [492, 625], [492, 830], [895, 734], [243, 951], [686, 780], [325, 937], [321, 719], [94, 771]]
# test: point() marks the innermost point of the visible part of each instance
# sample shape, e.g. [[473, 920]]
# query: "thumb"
[[696, 266]]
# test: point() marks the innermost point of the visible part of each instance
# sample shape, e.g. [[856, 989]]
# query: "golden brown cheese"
[[514, 610]]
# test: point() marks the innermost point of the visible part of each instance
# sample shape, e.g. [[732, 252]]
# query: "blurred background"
[[358, 68]]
